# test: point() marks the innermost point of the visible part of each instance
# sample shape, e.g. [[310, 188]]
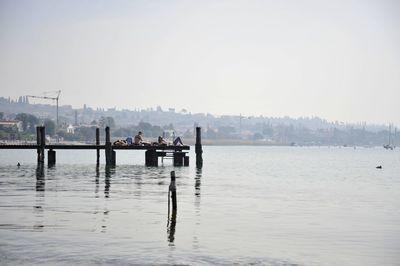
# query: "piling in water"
[[172, 219], [41, 142], [113, 158], [108, 148], [38, 143], [172, 190], [186, 160], [178, 158], [51, 157], [171, 227], [151, 158], [198, 149], [97, 143]]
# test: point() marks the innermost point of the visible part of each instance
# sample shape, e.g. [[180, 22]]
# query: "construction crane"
[[49, 98]]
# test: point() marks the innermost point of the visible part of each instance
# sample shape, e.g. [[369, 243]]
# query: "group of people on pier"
[[139, 140]]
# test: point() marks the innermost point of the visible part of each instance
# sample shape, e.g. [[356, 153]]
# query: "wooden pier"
[[178, 154]]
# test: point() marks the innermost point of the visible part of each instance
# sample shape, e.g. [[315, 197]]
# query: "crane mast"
[[49, 98]]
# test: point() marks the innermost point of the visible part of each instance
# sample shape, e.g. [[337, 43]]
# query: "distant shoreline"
[[205, 142]]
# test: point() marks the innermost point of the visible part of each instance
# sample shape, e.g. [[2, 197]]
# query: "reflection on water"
[[197, 183], [171, 227], [104, 221], [40, 198], [97, 181], [109, 171], [259, 206], [40, 178]]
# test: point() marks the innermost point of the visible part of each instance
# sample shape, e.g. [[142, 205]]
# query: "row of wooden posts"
[[151, 157]]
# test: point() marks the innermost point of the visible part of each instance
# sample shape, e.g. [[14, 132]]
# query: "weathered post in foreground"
[[198, 149], [97, 144], [172, 219], [172, 190], [108, 149], [171, 227]]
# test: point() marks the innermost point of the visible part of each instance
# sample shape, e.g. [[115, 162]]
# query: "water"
[[247, 206]]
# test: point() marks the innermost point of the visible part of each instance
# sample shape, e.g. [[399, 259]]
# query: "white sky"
[[339, 60]]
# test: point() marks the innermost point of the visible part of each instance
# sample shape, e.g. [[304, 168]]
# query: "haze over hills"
[[338, 59], [275, 130], [160, 116]]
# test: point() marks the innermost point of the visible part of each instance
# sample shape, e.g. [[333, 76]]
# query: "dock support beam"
[[110, 159], [98, 143], [51, 157], [113, 157], [151, 158], [186, 160], [198, 149], [178, 158]]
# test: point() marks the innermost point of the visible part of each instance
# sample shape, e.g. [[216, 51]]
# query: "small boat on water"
[[389, 146]]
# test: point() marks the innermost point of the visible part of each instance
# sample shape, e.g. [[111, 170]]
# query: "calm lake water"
[[247, 206]]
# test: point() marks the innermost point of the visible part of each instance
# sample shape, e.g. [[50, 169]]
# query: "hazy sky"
[[339, 60]]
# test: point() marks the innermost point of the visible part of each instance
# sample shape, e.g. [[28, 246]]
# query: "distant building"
[[71, 129]]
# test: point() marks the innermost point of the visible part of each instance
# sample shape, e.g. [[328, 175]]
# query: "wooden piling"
[[172, 227], [178, 158], [108, 148], [51, 157], [38, 138], [98, 143], [43, 142], [151, 158], [113, 158], [108, 138], [172, 190], [41, 136], [198, 149]]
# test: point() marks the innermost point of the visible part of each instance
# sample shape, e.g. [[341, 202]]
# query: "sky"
[[339, 60]]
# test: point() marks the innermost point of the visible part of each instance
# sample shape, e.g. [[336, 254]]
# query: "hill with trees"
[[232, 129]]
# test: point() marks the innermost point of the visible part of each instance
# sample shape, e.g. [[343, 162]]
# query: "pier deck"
[[153, 152], [92, 147], [179, 154]]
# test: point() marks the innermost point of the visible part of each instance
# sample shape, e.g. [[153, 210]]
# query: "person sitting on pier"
[[139, 139], [162, 141], [176, 142]]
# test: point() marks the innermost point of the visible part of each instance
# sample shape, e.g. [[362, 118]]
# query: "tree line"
[[261, 133]]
